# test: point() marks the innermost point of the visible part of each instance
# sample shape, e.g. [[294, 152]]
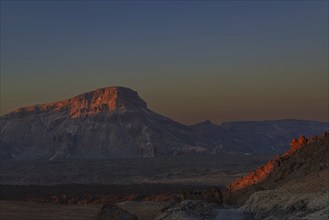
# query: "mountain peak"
[[99, 100], [203, 123]]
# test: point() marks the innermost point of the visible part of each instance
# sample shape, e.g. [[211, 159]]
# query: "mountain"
[[107, 122], [274, 135], [115, 122], [259, 136]]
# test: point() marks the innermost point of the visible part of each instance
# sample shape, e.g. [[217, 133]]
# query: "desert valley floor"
[[147, 181]]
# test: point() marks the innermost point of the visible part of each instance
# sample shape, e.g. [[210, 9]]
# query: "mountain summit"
[[99, 100]]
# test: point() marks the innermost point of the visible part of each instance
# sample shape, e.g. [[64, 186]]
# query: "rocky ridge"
[[292, 186], [307, 154]]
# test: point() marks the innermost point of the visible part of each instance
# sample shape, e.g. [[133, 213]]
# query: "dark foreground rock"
[[230, 214], [190, 209], [112, 212], [277, 204], [211, 195]]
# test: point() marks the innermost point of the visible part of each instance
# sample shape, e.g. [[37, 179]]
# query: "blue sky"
[[190, 60]]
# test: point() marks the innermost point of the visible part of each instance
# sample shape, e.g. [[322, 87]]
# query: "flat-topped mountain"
[[115, 122], [97, 101], [108, 122]]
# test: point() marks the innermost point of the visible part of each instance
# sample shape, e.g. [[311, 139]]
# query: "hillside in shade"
[[116, 122]]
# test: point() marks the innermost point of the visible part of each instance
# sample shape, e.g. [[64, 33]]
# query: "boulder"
[[211, 195], [190, 209], [112, 212]]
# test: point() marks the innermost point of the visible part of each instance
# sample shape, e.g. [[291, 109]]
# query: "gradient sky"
[[189, 60]]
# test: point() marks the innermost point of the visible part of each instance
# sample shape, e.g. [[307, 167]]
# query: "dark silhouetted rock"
[[189, 209], [112, 212], [211, 195]]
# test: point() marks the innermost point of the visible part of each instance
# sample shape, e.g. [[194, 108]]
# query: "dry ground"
[[19, 210], [22, 180], [189, 170], [143, 210]]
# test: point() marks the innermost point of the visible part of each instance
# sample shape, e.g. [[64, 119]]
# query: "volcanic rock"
[[113, 212], [190, 209], [304, 168]]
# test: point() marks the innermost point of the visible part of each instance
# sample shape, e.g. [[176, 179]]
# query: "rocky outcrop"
[[193, 205], [278, 204], [252, 178], [189, 209], [301, 155], [292, 186], [211, 195], [113, 212]]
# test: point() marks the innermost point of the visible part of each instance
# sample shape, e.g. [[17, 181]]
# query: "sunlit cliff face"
[[252, 178], [261, 173], [100, 100]]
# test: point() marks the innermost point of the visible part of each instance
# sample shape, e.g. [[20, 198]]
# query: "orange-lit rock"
[[261, 173], [302, 140], [296, 144], [105, 99], [252, 178]]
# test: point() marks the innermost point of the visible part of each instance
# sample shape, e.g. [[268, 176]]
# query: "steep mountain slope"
[[115, 122]]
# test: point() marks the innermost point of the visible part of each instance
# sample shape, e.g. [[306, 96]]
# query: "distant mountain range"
[[115, 122]]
